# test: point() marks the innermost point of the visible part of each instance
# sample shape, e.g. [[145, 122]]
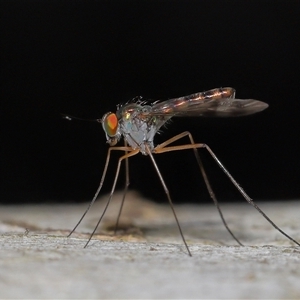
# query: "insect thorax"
[[138, 126]]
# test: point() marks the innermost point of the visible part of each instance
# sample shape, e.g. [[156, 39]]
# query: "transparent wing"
[[211, 107]]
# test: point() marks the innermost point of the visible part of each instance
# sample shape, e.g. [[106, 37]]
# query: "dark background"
[[84, 57]]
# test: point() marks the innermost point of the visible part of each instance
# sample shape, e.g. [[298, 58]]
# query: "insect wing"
[[195, 106]]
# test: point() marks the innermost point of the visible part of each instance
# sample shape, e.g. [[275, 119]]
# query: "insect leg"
[[168, 196], [160, 149], [248, 199], [101, 183], [132, 153], [125, 189]]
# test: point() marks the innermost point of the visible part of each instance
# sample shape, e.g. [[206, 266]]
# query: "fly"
[[138, 122]]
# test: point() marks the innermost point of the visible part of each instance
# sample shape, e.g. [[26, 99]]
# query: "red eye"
[[110, 124]]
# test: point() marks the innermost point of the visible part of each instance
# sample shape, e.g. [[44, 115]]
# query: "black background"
[[84, 57]]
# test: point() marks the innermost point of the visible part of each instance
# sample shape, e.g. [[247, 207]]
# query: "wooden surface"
[[146, 259]]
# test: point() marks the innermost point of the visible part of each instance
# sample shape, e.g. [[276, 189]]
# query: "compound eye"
[[110, 124]]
